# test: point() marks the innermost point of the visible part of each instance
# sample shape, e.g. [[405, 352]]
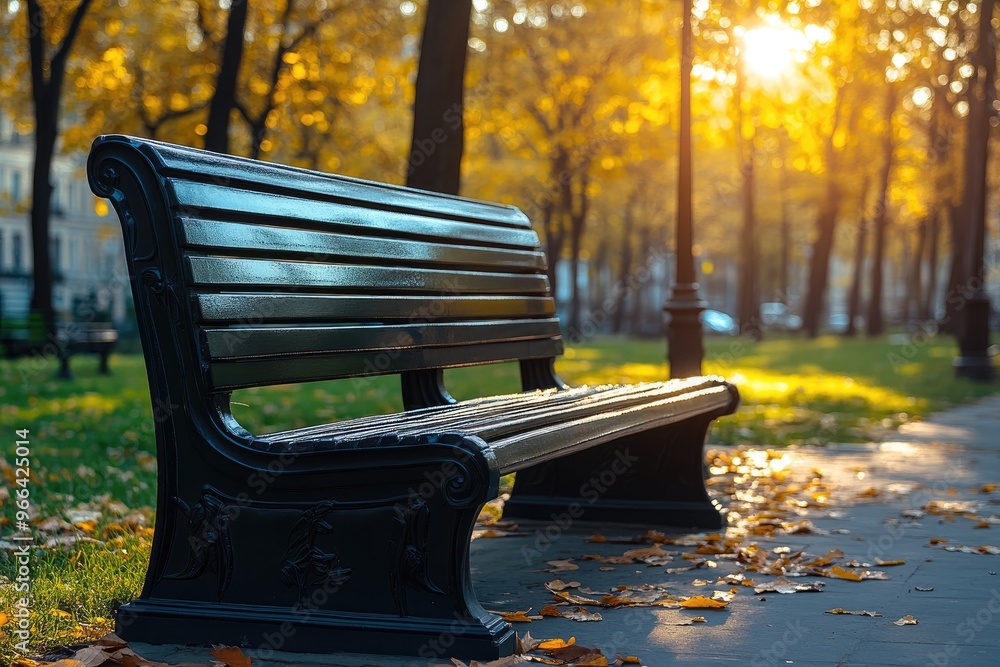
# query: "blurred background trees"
[[840, 145]]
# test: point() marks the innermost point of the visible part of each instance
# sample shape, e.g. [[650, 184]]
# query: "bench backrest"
[[270, 274]]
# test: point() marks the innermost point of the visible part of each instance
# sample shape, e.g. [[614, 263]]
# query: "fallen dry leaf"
[[724, 596], [232, 656], [889, 563], [702, 602], [558, 643], [512, 617], [840, 611], [692, 621], [566, 596], [654, 555], [112, 640], [786, 586], [561, 566], [582, 615], [923, 590], [527, 643], [841, 573], [906, 620], [126, 657], [550, 610], [91, 656], [627, 659], [560, 585], [598, 538]]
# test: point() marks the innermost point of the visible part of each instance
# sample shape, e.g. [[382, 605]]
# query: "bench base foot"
[[266, 629], [655, 478]]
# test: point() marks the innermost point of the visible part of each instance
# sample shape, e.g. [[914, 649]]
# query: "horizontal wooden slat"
[[236, 204], [534, 446], [225, 169], [235, 342], [278, 242], [238, 374], [253, 274], [501, 420], [263, 308]]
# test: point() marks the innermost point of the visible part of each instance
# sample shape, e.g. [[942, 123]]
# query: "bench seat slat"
[[277, 241], [532, 447], [500, 413], [262, 308], [526, 429], [187, 163], [242, 205], [227, 375], [243, 342], [254, 274]]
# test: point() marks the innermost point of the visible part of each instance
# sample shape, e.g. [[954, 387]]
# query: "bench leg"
[[103, 368], [654, 479], [378, 567], [64, 371]]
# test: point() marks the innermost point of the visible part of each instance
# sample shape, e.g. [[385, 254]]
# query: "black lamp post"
[[685, 348]]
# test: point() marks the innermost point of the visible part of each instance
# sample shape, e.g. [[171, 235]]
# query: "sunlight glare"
[[921, 96], [772, 50]]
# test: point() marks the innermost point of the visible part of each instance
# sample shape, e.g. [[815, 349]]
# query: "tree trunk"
[[927, 309], [578, 222], [435, 161], [622, 289], [638, 313], [46, 93], [749, 310], [874, 324], [915, 275], [826, 222], [958, 216], [224, 97], [860, 243], [785, 258], [974, 311]]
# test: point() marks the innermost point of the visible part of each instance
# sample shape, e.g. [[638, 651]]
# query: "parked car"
[[717, 322], [777, 316]]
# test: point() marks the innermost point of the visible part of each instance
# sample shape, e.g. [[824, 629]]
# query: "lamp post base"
[[685, 348]]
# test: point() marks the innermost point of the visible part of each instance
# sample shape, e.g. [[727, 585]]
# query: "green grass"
[[93, 451]]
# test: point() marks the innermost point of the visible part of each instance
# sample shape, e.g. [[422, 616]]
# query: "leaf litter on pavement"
[[768, 503]]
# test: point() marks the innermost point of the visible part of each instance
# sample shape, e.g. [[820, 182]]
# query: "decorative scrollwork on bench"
[[211, 546], [306, 565]]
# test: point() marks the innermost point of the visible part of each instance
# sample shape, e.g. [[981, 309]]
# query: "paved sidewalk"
[[879, 497]]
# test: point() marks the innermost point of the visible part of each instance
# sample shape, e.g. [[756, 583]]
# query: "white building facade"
[[90, 279]]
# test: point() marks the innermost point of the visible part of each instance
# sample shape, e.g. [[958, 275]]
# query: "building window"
[[1, 251], [56, 199], [56, 255], [18, 252], [15, 186]]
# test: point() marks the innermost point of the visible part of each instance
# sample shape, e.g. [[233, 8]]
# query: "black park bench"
[[354, 536], [98, 338]]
